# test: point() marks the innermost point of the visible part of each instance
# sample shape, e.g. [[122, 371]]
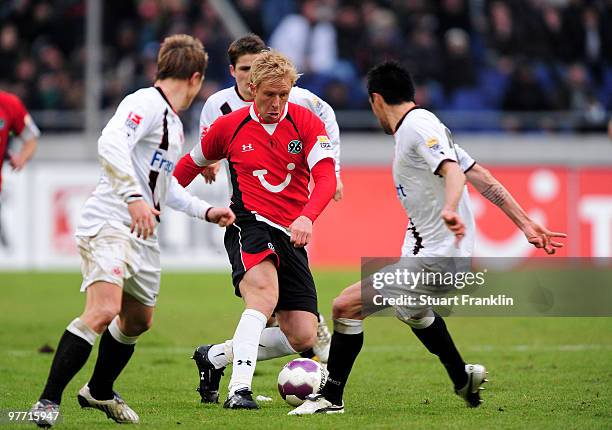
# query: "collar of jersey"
[[161, 93], [255, 114], [240, 95], [404, 117]]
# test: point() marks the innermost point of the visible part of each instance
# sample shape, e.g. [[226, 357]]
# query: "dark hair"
[[180, 56], [392, 82], [249, 44]]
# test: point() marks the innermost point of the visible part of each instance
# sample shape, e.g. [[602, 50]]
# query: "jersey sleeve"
[[180, 199], [209, 114], [317, 143], [213, 145], [131, 122], [433, 146], [19, 115], [326, 113], [465, 160]]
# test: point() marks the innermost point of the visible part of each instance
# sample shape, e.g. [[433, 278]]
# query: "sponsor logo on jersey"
[[274, 188], [133, 120], [432, 142], [324, 142], [294, 147], [159, 162], [247, 147]]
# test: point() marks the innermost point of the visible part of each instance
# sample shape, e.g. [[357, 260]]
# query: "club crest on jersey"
[[294, 147], [324, 142], [1, 123], [268, 186], [133, 120]]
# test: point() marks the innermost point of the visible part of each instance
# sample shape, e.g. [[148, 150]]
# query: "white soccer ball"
[[299, 378]]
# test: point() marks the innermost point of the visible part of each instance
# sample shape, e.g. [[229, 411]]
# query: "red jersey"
[[269, 164], [12, 120]]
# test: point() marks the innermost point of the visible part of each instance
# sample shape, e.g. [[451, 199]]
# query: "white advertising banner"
[[40, 207]]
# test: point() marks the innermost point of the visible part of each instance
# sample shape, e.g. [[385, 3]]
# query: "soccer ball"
[[299, 378]]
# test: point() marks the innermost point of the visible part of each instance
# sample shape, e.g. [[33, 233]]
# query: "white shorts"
[[117, 257]]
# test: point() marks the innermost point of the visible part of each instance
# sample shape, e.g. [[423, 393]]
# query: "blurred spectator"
[[503, 36], [460, 65], [9, 51], [308, 38], [524, 92]]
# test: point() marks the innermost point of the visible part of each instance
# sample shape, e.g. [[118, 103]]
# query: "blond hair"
[[271, 65], [180, 56]]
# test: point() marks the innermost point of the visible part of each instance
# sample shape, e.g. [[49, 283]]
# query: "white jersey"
[[138, 150], [422, 142], [228, 100]]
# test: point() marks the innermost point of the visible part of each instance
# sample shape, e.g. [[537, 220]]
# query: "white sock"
[[82, 330], [219, 355], [273, 343], [245, 344]]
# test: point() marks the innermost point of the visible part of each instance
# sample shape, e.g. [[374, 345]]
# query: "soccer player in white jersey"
[[430, 173], [242, 52], [117, 231]]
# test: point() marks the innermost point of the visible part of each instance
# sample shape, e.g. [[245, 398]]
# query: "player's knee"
[[341, 307], [102, 315], [137, 326], [302, 341]]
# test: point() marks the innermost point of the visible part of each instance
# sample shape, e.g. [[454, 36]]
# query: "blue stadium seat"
[[493, 85], [467, 99]]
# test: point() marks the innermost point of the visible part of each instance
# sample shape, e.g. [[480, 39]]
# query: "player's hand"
[[143, 221], [221, 216], [541, 237], [339, 190], [17, 162], [455, 224], [210, 172], [301, 231]]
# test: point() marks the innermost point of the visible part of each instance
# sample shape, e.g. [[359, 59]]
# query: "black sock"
[[438, 341], [71, 355], [343, 352], [112, 358], [309, 353]]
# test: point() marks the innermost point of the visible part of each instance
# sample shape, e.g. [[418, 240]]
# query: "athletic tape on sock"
[[116, 333], [418, 323], [80, 329], [348, 326]]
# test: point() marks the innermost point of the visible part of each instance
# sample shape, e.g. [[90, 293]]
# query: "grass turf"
[[544, 372]]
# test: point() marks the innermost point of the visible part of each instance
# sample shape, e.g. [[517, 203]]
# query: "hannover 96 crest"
[[294, 147]]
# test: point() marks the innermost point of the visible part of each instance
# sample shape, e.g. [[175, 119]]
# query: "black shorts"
[[250, 242]]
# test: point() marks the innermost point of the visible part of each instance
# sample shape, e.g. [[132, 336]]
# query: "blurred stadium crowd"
[[466, 55]]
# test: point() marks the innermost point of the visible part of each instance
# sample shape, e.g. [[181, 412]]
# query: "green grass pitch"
[[544, 372]]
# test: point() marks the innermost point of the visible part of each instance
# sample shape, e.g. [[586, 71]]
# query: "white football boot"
[[321, 346], [115, 408], [317, 404], [477, 375]]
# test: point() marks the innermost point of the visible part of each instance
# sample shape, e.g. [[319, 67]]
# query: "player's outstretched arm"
[[454, 181], [178, 198], [487, 185], [209, 173]]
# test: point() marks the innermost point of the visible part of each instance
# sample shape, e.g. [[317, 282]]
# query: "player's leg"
[[102, 305], [259, 290], [346, 343], [117, 345], [320, 350], [430, 328]]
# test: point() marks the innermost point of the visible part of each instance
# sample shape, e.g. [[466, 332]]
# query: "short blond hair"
[[271, 65]]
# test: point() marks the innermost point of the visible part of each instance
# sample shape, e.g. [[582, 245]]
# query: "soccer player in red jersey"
[[273, 147], [15, 120]]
